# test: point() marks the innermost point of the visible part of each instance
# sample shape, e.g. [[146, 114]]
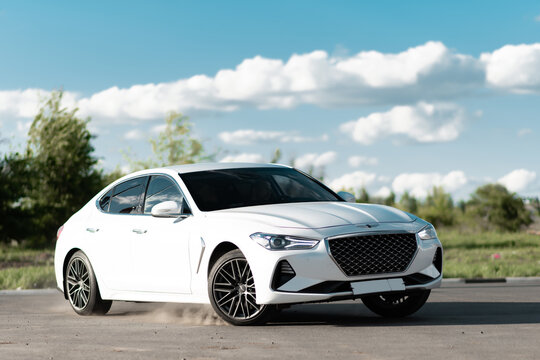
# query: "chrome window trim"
[[136, 177]]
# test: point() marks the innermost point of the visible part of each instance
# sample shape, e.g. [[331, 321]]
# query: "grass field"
[[473, 255], [490, 255], [26, 269]]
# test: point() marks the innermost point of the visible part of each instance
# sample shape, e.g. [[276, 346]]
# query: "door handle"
[[139, 231], [92, 230]]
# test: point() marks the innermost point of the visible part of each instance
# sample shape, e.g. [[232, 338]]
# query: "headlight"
[[283, 242], [428, 233]]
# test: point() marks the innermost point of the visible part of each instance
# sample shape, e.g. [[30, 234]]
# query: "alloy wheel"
[[78, 283], [233, 289]]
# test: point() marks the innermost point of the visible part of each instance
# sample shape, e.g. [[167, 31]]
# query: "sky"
[[387, 95]]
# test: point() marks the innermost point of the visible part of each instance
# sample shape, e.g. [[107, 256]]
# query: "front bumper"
[[317, 277]]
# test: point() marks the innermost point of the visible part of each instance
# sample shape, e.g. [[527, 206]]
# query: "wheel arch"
[[64, 268], [218, 251]]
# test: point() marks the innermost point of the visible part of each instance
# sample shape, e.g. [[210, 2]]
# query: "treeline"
[[57, 173], [490, 207]]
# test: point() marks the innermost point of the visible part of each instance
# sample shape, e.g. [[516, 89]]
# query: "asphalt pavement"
[[460, 321]]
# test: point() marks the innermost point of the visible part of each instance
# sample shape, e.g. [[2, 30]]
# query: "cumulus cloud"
[[355, 180], [518, 180], [158, 128], [514, 67], [423, 123], [419, 184], [134, 134], [26, 103], [315, 161], [23, 127], [357, 161], [368, 77], [249, 136], [243, 157], [428, 72], [383, 192]]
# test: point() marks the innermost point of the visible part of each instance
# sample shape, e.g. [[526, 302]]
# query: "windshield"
[[233, 188]]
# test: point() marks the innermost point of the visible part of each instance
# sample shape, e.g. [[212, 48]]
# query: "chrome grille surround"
[[373, 253]]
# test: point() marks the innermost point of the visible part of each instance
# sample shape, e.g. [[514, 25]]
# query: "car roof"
[[188, 168]]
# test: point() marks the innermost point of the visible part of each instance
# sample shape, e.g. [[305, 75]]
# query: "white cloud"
[[523, 132], [426, 72], [158, 128], [514, 67], [383, 192], [249, 136], [537, 18], [355, 180], [134, 134], [369, 77], [419, 184], [518, 180], [357, 161], [423, 123], [243, 157], [23, 127], [316, 161], [25, 103]]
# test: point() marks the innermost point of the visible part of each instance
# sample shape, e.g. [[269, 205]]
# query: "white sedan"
[[246, 238]]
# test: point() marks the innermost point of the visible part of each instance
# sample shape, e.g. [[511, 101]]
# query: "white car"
[[248, 239]]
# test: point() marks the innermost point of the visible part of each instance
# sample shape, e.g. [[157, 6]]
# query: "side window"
[[161, 189], [105, 201], [127, 196]]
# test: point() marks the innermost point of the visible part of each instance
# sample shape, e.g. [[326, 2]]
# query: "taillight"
[[59, 232]]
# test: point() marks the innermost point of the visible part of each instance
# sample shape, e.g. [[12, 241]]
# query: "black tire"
[[232, 291], [81, 287], [396, 305]]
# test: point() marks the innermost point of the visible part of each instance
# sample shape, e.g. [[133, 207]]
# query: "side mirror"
[[347, 196], [167, 209]]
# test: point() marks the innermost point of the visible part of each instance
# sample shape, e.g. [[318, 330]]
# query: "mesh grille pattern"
[[373, 254]]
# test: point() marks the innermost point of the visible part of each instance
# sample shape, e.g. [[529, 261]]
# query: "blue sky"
[[434, 93]]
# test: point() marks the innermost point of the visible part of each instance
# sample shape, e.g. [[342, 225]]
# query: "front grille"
[[373, 254]]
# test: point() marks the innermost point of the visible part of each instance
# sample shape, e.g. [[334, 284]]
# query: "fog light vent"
[[284, 272], [437, 260]]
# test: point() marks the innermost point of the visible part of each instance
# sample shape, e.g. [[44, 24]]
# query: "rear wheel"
[[81, 287], [396, 305], [232, 293]]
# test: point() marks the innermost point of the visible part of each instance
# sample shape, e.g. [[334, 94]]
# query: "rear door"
[[121, 211]]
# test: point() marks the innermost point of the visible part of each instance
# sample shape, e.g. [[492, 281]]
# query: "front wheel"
[[396, 305], [82, 288], [231, 289]]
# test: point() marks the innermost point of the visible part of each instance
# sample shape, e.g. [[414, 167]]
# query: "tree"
[[364, 196], [64, 175], [390, 200], [276, 156], [408, 203], [438, 208], [174, 145], [495, 207], [14, 183]]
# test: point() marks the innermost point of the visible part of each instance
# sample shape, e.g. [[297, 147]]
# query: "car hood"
[[315, 215]]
